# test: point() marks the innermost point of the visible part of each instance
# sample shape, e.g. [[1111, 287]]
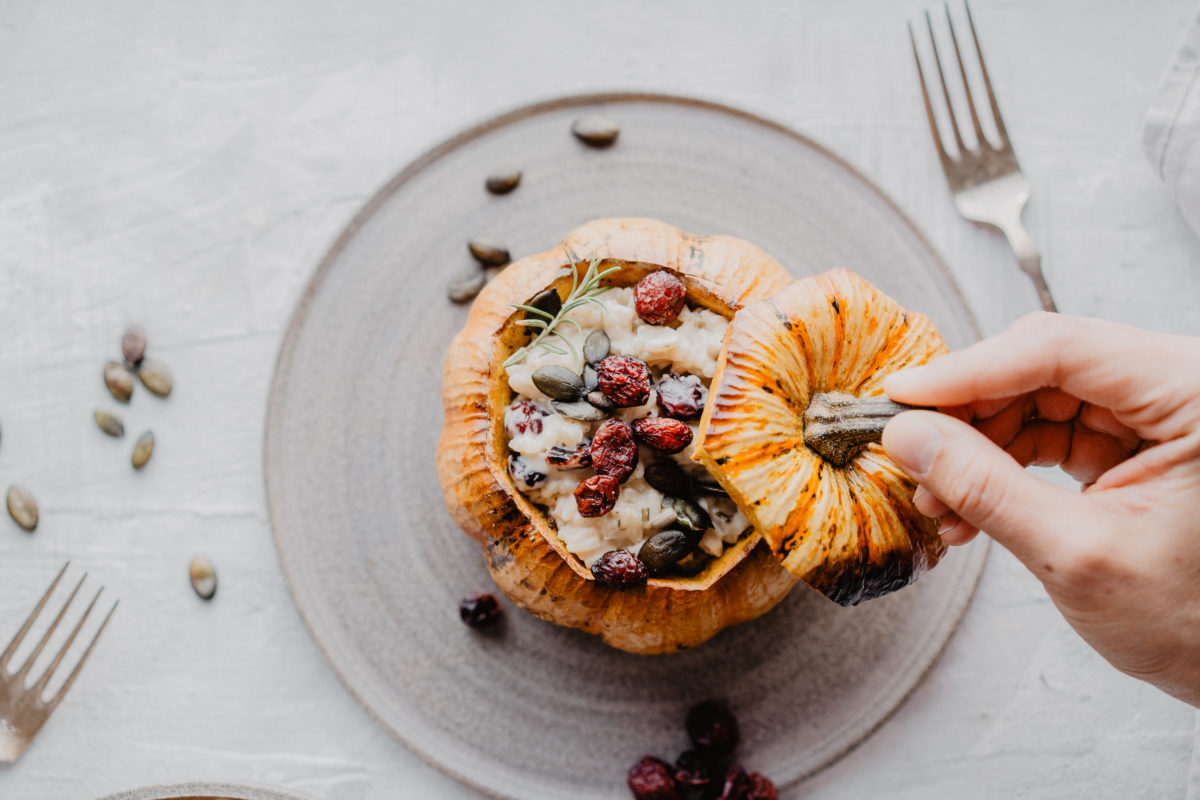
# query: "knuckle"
[[1048, 333]]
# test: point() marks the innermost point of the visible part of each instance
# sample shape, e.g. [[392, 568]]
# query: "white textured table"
[[186, 165]]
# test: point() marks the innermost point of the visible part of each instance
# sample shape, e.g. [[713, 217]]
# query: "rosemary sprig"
[[582, 292]]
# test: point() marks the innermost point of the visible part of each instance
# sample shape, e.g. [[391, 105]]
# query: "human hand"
[[1118, 409]]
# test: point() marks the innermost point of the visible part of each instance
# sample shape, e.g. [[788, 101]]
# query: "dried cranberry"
[[624, 380], [523, 473], [614, 452], [523, 417], [652, 779], [667, 435], [659, 297], [570, 458], [761, 788], [597, 495], [681, 396], [713, 728], [693, 771], [620, 569], [736, 784], [480, 610]]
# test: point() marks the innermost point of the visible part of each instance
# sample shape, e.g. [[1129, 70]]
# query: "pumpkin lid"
[[841, 518]]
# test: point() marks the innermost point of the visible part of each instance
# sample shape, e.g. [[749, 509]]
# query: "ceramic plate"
[[375, 563], [201, 791]]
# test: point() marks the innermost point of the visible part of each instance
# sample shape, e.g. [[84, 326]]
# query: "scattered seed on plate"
[[464, 288], [22, 507], [204, 577], [156, 377], [109, 423], [489, 252], [133, 345], [595, 130], [503, 180], [119, 380], [143, 449]]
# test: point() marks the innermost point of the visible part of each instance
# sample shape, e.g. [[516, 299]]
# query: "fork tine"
[[962, 70], [937, 60], [53, 704], [20, 637], [937, 136], [987, 81], [41, 645], [40, 686]]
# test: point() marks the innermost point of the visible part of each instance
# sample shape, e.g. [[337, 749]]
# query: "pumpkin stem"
[[837, 426]]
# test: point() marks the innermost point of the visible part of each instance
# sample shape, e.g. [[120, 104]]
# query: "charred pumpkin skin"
[[521, 549], [842, 522]]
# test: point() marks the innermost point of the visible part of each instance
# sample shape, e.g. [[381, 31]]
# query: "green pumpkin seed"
[[156, 377], [119, 380], [143, 449], [591, 380], [109, 423], [558, 383], [549, 301], [503, 180], [203, 577], [689, 514], [668, 478], [580, 410], [596, 347], [133, 345], [464, 288], [600, 400], [489, 252], [595, 130], [22, 507], [664, 549]]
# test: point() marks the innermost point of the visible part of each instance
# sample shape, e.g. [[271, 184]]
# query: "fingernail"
[[946, 524], [920, 492], [913, 442]]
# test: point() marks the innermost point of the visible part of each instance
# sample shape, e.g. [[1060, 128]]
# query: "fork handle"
[[1029, 258]]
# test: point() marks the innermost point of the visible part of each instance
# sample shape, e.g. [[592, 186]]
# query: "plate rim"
[[977, 551], [167, 791]]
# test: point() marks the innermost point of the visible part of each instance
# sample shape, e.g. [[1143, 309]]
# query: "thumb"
[[980, 482]]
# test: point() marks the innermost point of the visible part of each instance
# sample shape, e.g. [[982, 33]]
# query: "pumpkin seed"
[[109, 423], [203, 576], [488, 252], [503, 180], [709, 487], [600, 400], [143, 449], [595, 130], [119, 381], [133, 345], [596, 347], [22, 507], [558, 383], [690, 515], [663, 550], [580, 410], [693, 563], [668, 478], [591, 379], [156, 377], [549, 301], [464, 288]]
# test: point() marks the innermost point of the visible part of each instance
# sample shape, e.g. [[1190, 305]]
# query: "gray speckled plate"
[[201, 791], [377, 567]]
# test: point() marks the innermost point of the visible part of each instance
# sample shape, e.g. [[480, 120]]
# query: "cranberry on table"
[[652, 779], [761, 788], [661, 433], [659, 297], [480, 610], [523, 417], [693, 770], [614, 451], [596, 496], [736, 784], [681, 396], [624, 380], [712, 728], [620, 569]]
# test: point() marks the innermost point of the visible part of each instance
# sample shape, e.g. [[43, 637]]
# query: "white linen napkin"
[[1172, 134]]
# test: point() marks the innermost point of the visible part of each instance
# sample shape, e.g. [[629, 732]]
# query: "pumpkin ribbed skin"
[[850, 532], [521, 549]]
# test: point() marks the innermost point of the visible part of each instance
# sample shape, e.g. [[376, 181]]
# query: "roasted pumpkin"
[[791, 431], [526, 558]]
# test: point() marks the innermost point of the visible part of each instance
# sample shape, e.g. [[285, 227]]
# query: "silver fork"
[[986, 182], [22, 710]]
